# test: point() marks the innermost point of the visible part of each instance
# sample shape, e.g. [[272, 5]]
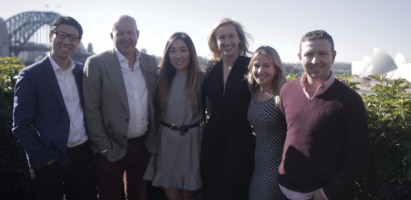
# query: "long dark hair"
[[168, 72]]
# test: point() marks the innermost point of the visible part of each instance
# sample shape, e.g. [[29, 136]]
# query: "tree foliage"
[[348, 79], [14, 173], [388, 174], [291, 77]]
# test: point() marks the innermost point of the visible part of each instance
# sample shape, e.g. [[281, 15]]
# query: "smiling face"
[[316, 58], [125, 36], [179, 56], [263, 71], [227, 40], [62, 49]]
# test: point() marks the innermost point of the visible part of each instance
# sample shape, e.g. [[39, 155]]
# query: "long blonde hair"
[[212, 41], [274, 58], [168, 72]]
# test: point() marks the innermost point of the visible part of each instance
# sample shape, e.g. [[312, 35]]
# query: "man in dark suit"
[[49, 118], [118, 91]]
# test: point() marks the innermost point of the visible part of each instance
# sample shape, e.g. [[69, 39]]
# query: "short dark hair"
[[68, 21], [317, 34]]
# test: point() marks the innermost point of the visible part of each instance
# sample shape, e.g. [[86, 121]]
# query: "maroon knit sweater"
[[327, 139]]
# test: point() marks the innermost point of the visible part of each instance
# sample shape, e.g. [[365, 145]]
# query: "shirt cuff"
[[322, 192], [106, 151]]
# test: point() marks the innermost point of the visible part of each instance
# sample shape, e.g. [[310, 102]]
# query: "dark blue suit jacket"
[[40, 119]]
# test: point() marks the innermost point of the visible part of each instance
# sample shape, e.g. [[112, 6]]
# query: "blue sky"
[[356, 26]]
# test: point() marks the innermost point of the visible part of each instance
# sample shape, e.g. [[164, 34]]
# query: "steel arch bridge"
[[21, 28]]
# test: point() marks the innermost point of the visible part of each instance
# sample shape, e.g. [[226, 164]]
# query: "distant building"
[[90, 50], [382, 63]]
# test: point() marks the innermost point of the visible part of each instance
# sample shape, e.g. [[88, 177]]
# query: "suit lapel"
[[115, 75], [147, 76], [52, 79], [78, 74], [148, 72]]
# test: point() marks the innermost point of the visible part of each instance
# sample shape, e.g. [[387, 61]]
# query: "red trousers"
[[129, 170]]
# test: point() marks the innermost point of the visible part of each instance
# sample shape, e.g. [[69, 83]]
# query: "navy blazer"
[[41, 122]]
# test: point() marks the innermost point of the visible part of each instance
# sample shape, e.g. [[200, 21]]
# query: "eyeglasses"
[[63, 35]]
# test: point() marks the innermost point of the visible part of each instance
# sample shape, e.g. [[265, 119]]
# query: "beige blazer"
[[106, 104]]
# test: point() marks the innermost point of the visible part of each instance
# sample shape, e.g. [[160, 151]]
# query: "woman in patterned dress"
[[265, 78], [176, 167]]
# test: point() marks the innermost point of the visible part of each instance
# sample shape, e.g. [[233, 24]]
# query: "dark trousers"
[[129, 170], [52, 181], [281, 196]]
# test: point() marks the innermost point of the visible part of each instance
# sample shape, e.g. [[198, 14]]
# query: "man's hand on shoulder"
[[317, 195]]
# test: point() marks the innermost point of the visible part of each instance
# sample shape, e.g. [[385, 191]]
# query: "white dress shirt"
[[137, 96], [68, 88]]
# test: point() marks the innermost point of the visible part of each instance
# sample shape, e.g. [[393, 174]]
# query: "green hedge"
[[14, 172], [388, 175]]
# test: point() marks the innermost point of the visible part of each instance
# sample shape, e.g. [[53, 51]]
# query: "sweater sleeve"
[[282, 93], [356, 143]]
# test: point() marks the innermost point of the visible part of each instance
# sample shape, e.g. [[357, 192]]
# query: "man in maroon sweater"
[[327, 133]]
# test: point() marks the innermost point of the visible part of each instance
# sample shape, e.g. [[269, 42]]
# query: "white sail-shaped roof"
[[368, 72], [400, 59], [356, 67], [366, 62], [382, 62], [403, 71]]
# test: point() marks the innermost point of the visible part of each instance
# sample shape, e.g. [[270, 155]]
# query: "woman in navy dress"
[[227, 151]]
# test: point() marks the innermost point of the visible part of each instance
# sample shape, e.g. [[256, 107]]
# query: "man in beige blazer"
[[118, 92]]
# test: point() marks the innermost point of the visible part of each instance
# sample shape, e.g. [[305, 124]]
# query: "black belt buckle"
[[182, 129], [174, 127]]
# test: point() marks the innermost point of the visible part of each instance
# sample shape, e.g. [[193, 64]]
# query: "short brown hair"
[[317, 34]]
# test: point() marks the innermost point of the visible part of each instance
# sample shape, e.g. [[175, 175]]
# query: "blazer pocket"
[[107, 127]]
